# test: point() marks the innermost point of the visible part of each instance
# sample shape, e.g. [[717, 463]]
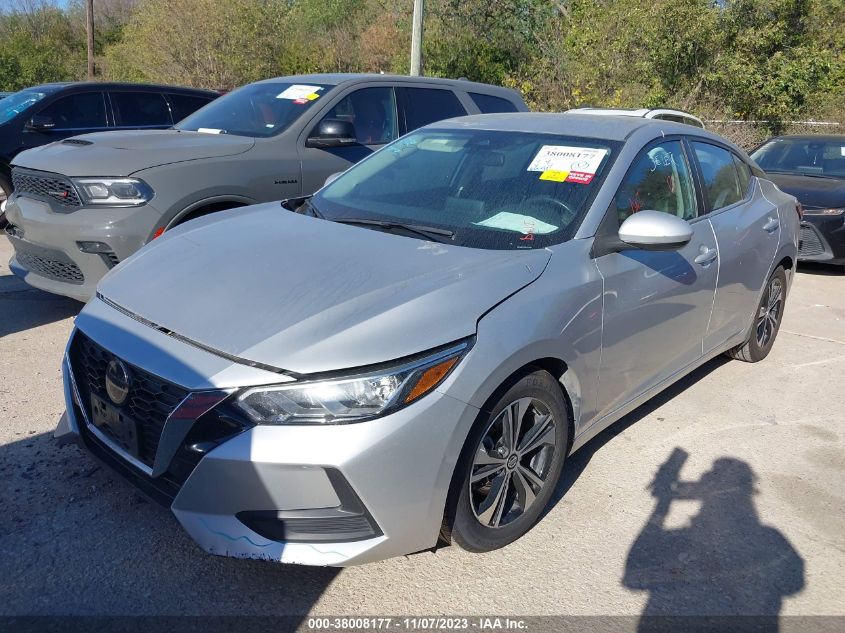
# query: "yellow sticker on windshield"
[[552, 174], [312, 96]]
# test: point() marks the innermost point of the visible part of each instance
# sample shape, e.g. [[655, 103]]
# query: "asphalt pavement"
[[757, 524]]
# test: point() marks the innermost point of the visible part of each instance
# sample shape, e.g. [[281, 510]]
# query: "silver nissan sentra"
[[412, 353]]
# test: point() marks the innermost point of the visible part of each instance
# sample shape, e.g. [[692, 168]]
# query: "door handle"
[[771, 226], [706, 256]]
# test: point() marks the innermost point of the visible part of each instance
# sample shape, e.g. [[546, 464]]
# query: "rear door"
[[137, 110], [747, 229], [656, 304], [420, 106]]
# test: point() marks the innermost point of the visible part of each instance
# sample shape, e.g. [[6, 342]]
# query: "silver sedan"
[[412, 353]]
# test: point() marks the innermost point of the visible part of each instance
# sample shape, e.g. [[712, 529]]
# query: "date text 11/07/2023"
[[480, 623]]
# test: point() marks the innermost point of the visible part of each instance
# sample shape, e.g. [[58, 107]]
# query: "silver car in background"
[[412, 353]]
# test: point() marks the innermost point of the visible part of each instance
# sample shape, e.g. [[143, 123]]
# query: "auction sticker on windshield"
[[562, 163], [300, 92]]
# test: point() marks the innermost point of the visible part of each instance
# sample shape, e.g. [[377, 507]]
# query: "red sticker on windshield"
[[580, 177]]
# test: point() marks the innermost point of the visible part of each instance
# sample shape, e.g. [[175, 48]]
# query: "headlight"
[[114, 192], [354, 399], [808, 211]]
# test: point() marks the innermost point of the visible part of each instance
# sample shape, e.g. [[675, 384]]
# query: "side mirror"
[[655, 231], [40, 122], [332, 133]]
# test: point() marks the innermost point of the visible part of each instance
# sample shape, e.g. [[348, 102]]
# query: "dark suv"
[[51, 112]]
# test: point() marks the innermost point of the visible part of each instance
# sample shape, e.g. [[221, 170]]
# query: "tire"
[[766, 324], [478, 519]]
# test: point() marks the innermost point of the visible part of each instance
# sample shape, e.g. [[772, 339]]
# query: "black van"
[[51, 112]]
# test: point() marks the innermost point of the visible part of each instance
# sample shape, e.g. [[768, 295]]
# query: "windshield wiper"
[[428, 232], [798, 173]]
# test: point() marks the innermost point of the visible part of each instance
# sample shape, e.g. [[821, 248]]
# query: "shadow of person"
[[724, 564]]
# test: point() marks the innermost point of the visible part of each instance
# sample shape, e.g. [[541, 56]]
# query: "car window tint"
[[184, 105], [78, 111], [744, 173], [139, 109], [488, 103], [372, 111], [426, 105], [719, 175], [658, 180]]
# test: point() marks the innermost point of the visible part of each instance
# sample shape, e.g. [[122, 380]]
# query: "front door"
[[372, 111], [656, 303], [71, 115]]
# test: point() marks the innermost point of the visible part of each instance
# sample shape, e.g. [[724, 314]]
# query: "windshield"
[[263, 109], [820, 157], [490, 189], [16, 103]]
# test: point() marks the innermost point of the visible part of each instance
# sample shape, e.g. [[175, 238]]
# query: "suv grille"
[[45, 186], [811, 243], [151, 399], [51, 268]]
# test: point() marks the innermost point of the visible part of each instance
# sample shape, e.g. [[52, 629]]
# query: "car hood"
[[812, 192], [309, 295], [125, 152]]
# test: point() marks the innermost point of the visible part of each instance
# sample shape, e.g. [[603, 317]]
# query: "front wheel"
[[509, 466], [5, 192], [767, 320]]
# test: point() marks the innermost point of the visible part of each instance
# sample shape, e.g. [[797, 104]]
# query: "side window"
[[140, 109], [658, 180], [427, 105], [84, 110], [183, 105], [744, 173], [489, 103], [719, 176], [373, 113]]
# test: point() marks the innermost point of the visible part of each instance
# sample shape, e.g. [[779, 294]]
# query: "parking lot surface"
[[757, 528]]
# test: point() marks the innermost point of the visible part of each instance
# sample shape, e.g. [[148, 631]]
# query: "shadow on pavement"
[[724, 562], [78, 540], [23, 307]]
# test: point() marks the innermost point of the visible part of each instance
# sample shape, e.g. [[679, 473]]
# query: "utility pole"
[[416, 39], [89, 14]]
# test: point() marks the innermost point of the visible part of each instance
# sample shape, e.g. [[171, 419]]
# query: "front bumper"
[[391, 474], [823, 239], [47, 253]]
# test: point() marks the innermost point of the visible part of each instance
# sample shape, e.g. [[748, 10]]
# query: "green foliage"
[[771, 60]]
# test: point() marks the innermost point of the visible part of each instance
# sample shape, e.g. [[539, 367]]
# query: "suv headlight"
[[113, 192], [354, 399]]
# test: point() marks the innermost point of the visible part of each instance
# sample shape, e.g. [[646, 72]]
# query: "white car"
[[665, 114]]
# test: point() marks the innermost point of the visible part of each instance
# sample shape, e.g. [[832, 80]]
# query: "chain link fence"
[[749, 134]]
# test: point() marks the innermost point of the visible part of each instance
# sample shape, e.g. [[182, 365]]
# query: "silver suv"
[[86, 203]]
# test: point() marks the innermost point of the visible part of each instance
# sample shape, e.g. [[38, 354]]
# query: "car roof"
[[336, 79], [608, 127], [825, 138], [108, 85]]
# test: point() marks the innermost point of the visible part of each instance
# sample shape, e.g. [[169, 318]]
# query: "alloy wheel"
[[769, 313], [512, 462]]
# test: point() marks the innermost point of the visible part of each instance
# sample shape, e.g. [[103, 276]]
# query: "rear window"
[[185, 105], [427, 105], [140, 109], [489, 104]]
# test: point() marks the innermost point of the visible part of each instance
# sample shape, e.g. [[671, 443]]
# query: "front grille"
[[45, 186], [811, 242], [151, 399], [52, 268]]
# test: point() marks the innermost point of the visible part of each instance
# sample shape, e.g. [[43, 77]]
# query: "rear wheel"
[[767, 319], [509, 466]]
